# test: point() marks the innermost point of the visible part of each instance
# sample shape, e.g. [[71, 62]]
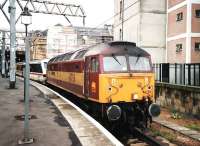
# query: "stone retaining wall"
[[185, 99]]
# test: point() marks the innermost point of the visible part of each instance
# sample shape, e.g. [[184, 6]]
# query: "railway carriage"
[[115, 80], [37, 70]]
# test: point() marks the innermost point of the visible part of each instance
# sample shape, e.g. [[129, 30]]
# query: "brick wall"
[[195, 21], [172, 55], [195, 54], [177, 27]]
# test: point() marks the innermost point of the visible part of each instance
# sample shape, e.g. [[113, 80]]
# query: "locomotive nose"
[[113, 112], [154, 110]]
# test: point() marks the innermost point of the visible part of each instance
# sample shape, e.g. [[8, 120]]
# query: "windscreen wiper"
[[116, 59], [138, 57]]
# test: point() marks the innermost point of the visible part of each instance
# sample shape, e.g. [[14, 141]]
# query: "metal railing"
[[181, 74]]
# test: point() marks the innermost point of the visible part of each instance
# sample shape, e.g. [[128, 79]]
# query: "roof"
[[117, 47]]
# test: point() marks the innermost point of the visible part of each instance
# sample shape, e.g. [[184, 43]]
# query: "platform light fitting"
[[26, 17]]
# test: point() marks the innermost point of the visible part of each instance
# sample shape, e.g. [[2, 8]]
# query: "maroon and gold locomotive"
[[115, 79]]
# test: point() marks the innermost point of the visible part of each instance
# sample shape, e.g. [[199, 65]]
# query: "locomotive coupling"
[[154, 110], [113, 112]]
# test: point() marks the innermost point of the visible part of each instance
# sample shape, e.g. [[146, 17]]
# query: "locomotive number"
[[71, 77]]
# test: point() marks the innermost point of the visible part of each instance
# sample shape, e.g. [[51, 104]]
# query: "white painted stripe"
[[195, 34], [180, 36], [195, 1], [177, 6], [94, 122], [183, 35]]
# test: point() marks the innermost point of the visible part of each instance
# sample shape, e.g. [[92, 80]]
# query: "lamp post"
[[26, 19]]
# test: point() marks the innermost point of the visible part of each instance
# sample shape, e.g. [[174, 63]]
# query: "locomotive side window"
[[138, 63], [94, 65], [115, 63]]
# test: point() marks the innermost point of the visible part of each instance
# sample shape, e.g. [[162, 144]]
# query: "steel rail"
[[146, 138]]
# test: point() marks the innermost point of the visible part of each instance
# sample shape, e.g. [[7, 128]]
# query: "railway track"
[[143, 139]]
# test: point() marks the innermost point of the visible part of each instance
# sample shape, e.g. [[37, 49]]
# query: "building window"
[[120, 10], [197, 13], [197, 46], [179, 16], [179, 47]]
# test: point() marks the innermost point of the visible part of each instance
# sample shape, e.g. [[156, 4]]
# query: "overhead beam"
[[55, 8], [48, 7]]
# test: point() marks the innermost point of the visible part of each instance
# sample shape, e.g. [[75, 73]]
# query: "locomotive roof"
[[117, 47]]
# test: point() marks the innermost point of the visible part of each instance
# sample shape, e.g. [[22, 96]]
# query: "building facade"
[[38, 49], [183, 31], [60, 39], [142, 22]]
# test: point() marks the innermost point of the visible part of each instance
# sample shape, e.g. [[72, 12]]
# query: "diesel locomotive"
[[115, 80]]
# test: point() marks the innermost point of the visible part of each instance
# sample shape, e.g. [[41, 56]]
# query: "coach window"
[[94, 65]]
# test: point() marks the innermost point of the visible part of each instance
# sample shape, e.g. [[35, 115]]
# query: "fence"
[[182, 74]]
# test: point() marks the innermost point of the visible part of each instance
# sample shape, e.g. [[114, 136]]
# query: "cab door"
[[91, 84], [87, 77]]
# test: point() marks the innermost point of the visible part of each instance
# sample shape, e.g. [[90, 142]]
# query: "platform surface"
[[48, 127]]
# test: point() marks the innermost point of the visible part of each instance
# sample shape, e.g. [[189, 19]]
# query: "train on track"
[[38, 70], [114, 80]]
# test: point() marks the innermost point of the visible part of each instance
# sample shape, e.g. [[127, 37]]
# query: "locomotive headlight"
[[135, 97], [113, 112]]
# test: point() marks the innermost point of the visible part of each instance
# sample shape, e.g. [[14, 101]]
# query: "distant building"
[[39, 43], [59, 39], [183, 31], [142, 22]]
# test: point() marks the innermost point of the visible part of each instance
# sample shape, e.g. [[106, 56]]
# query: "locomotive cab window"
[[94, 65], [114, 63], [139, 63]]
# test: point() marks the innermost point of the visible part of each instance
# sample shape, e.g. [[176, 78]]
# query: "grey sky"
[[96, 10]]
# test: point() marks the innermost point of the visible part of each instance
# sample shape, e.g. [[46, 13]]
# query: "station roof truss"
[[47, 7], [20, 36]]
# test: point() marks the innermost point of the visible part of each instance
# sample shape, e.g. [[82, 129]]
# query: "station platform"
[[55, 122], [48, 128]]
